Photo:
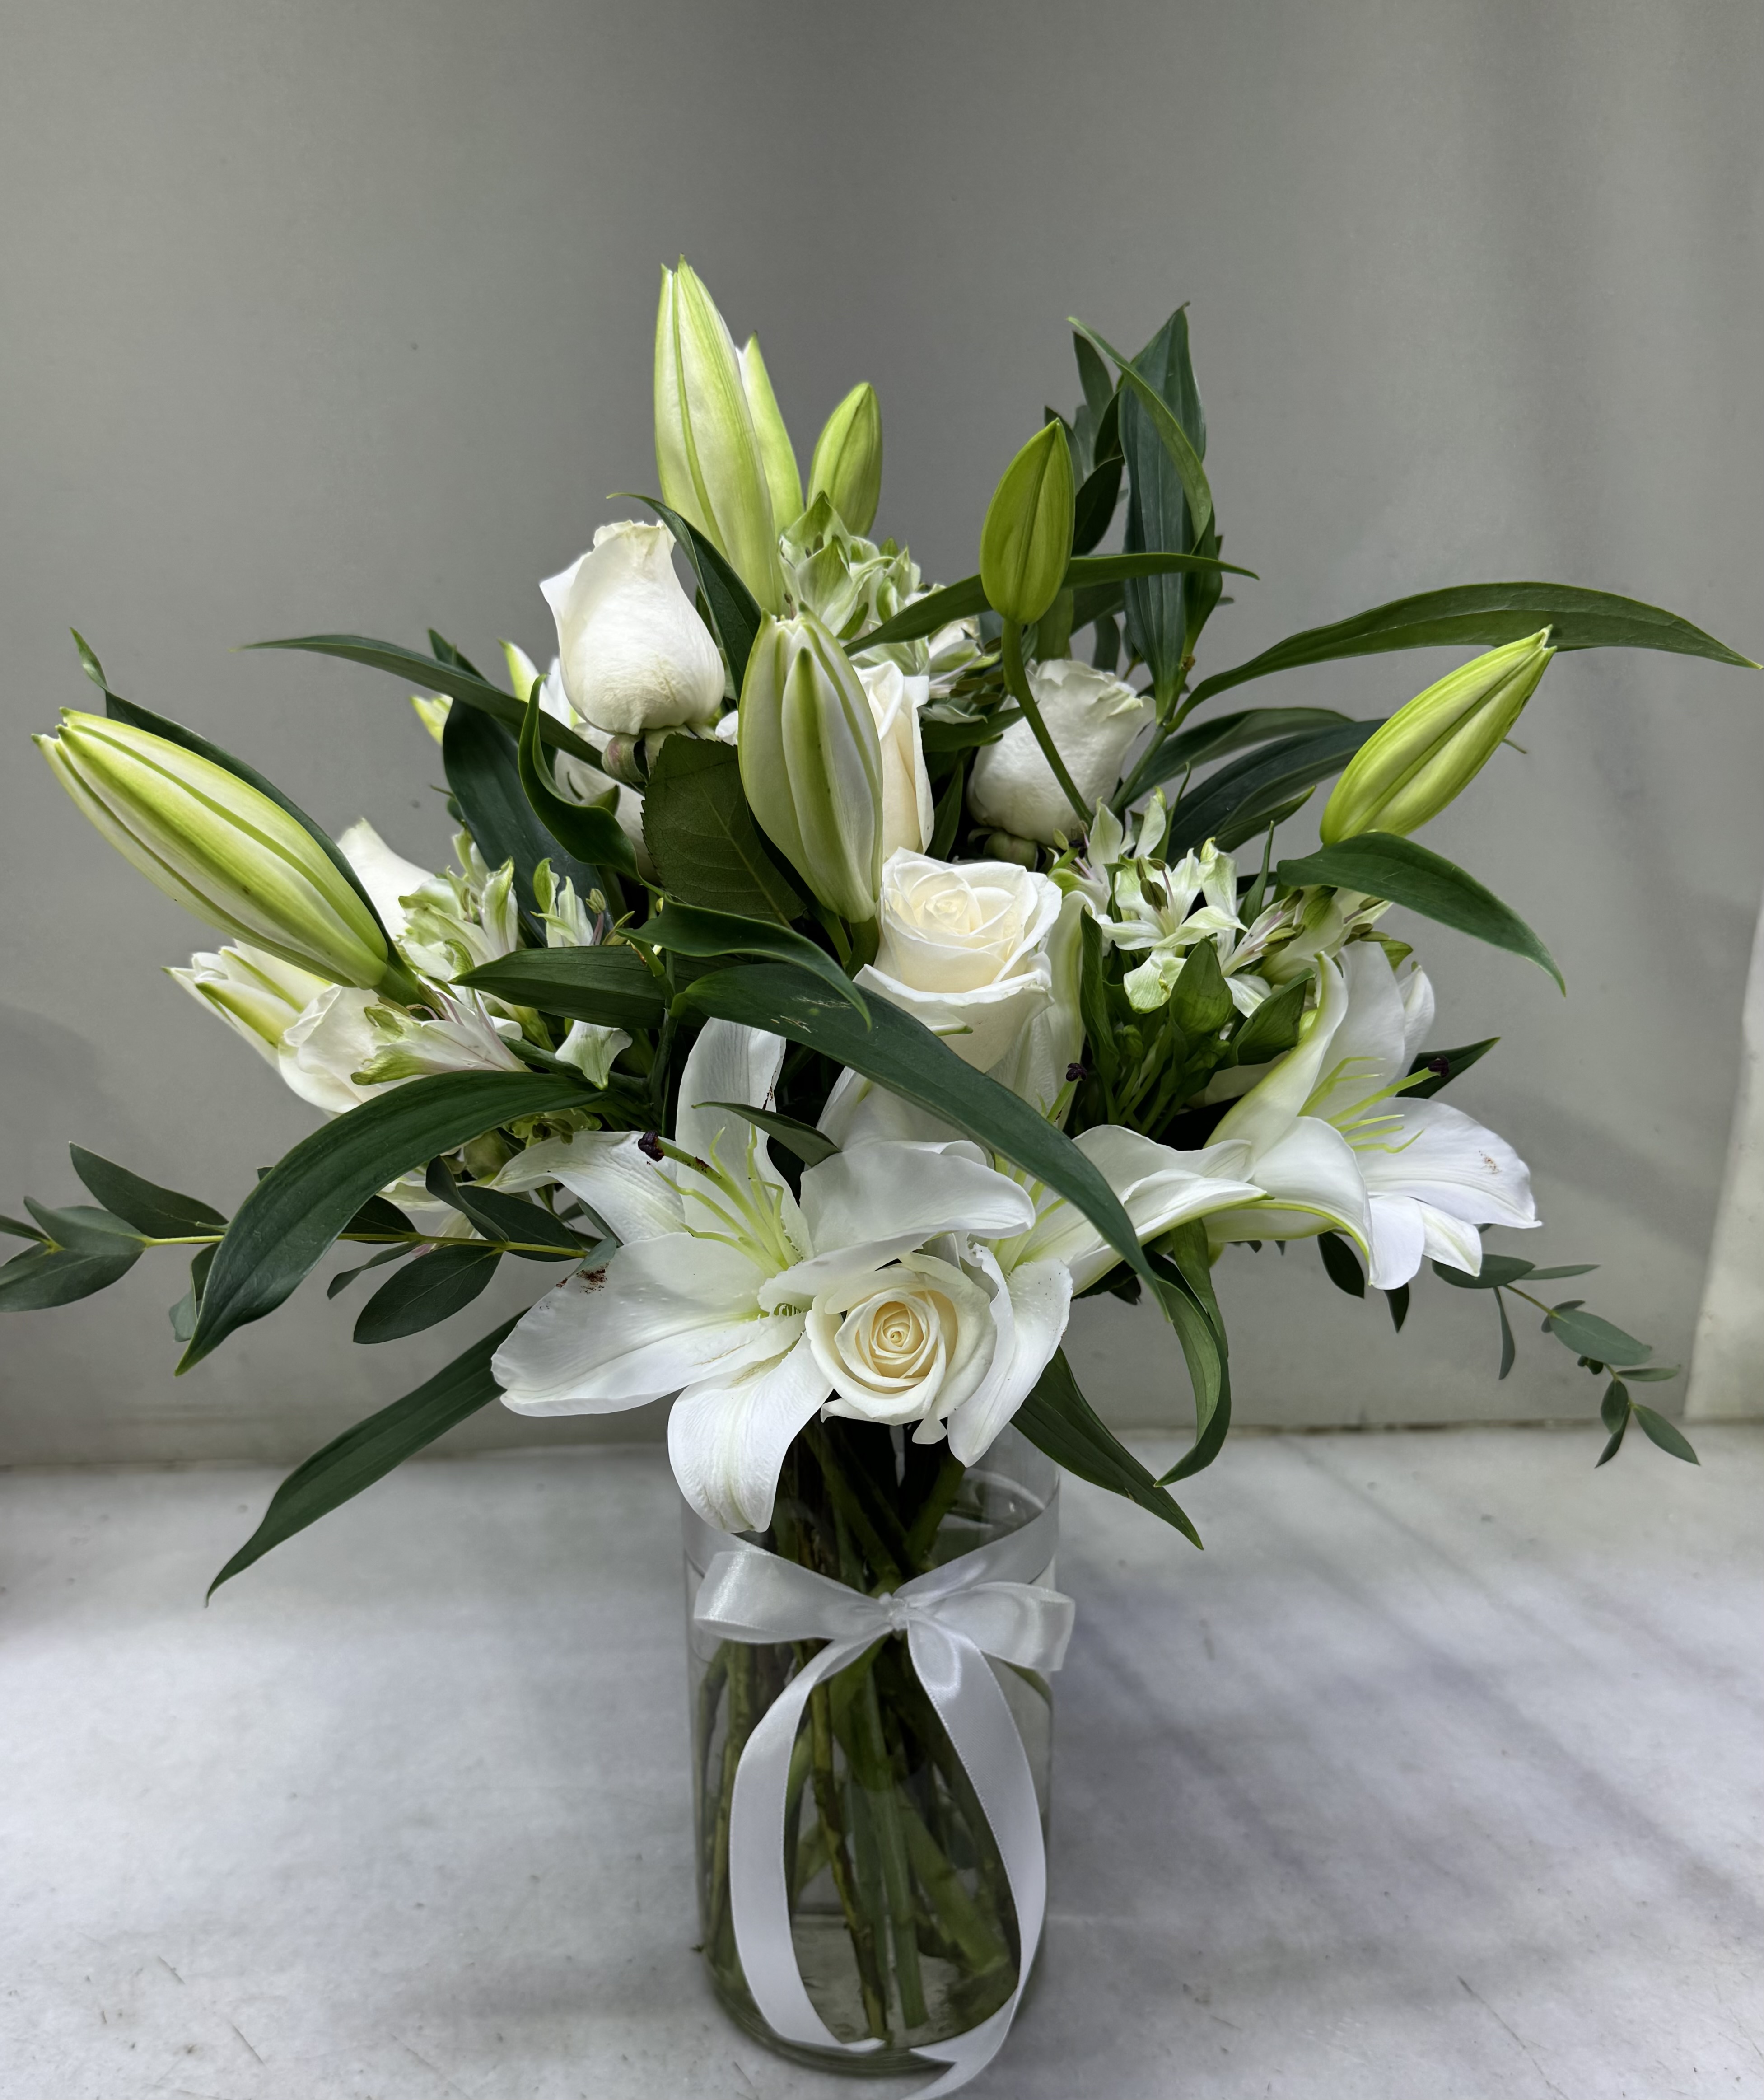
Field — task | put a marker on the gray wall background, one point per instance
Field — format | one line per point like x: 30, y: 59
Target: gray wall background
x: 322, y: 316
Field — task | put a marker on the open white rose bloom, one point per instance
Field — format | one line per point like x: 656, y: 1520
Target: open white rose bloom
x: 811, y: 987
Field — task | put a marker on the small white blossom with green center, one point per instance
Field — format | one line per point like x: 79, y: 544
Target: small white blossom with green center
x: 1164, y: 910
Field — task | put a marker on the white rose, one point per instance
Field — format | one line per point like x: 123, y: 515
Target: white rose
x: 635, y: 654
x: 908, y: 1343
x: 964, y: 950
x: 1092, y: 717
x: 908, y: 813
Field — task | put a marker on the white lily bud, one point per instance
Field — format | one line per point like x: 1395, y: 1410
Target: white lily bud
x: 258, y: 995
x: 811, y: 762
x: 221, y: 850
x: 1092, y: 717
x: 847, y: 466
x: 707, y: 450
x: 634, y: 654
x: 777, y: 452
x: 908, y: 809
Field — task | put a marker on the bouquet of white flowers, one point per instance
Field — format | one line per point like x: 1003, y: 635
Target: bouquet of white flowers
x: 837, y: 977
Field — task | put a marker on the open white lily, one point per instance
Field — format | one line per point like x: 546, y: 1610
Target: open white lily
x: 756, y: 1307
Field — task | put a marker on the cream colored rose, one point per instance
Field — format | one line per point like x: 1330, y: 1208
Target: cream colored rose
x: 1092, y: 718
x: 907, y: 1343
x: 964, y: 948
x: 635, y: 654
x: 908, y: 812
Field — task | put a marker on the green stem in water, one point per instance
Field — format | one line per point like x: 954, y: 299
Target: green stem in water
x: 1017, y: 677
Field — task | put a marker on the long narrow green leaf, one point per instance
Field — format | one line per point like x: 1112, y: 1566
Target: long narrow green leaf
x: 612, y: 987
x: 309, y: 1196
x: 1482, y: 615
x: 1241, y: 799
x: 369, y: 1451
x: 1379, y: 864
x: 1059, y: 1420
x: 697, y: 930
x: 1183, y: 456
x: 1085, y: 570
x: 1203, y: 742
x: 593, y: 836
x: 801, y: 1140
x: 483, y: 770
x: 902, y: 1055
x: 412, y: 666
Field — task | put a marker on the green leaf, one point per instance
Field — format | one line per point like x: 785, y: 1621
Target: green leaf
x: 1643, y: 1374
x: 591, y: 835
x: 735, y: 611
x: 1573, y: 1268
x: 1060, y: 1421
x: 702, y: 836
x: 1615, y: 1444
x: 948, y: 819
x: 611, y: 986
x: 1457, y: 1061
x: 346, y: 1276
x: 1241, y: 799
x: 1587, y: 1336
x: 432, y: 1288
x: 376, y: 1215
x: 1184, y: 1268
x: 1084, y: 571
x: 309, y: 1196
x: 1497, y: 1271
x: 1344, y: 1272
x: 1159, y: 619
x: 1381, y: 865
x: 1398, y: 1302
x: 369, y: 1451
x: 937, y: 734
x: 483, y: 770
x: 1093, y: 508
x: 21, y: 1231
x: 1667, y: 1435
x: 1200, y: 1005
x: 183, y: 1315
x: 1273, y: 1028
x: 697, y: 930
x: 44, y: 1276
x: 415, y: 668
x: 1481, y: 615
x: 1615, y: 1405
x: 1509, y: 1351
x: 499, y: 1215
x: 161, y: 1214
x: 84, y: 1230
x: 902, y: 1054
x: 139, y: 717
x: 1093, y: 377
x: 1184, y: 456
x: 1203, y: 743
x: 801, y: 1138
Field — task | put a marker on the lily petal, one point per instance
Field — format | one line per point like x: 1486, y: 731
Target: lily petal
x: 1443, y: 1157
x: 1030, y: 1307
x: 1399, y: 1242
x: 727, y: 1440
x: 622, y: 1185
x: 1311, y: 1182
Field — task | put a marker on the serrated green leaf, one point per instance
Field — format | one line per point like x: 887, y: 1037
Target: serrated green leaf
x: 369, y: 1451
x: 1482, y: 615
x: 431, y: 1288
x: 163, y: 1214
x: 1381, y: 865
x: 701, y: 836
x: 301, y: 1205
x: 612, y: 987
x: 1058, y: 1420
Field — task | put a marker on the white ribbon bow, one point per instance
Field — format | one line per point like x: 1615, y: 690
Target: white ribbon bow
x: 953, y: 1618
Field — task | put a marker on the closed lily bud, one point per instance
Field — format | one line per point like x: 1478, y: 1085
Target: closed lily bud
x: 632, y: 653
x: 811, y: 762
x: 707, y: 450
x: 225, y: 852
x: 1430, y: 750
x: 777, y: 454
x: 1026, y: 543
x: 847, y: 467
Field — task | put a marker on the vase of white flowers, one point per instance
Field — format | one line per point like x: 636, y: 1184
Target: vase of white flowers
x: 836, y: 978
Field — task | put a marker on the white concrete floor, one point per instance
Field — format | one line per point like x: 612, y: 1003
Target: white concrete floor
x: 1437, y: 1777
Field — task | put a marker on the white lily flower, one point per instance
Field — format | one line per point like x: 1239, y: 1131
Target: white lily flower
x: 258, y: 995
x: 710, y: 1295
x: 636, y: 656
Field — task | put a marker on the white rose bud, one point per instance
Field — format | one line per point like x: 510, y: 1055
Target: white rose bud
x: 635, y: 654
x: 1092, y: 717
x: 963, y: 948
x: 908, y: 812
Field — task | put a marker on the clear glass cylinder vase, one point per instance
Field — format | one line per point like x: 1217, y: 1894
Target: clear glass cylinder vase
x: 901, y: 1915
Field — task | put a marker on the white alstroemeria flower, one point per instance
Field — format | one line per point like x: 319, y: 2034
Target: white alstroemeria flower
x: 908, y: 811
x: 1432, y: 1175
x: 710, y: 1293
x: 1034, y: 1274
x: 347, y: 1045
x: 1306, y: 1170
x: 258, y: 995
x: 1159, y: 914
x: 1093, y: 717
x: 452, y: 923
x: 635, y: 654
x: 387, y: 877
x: 591, y: 1048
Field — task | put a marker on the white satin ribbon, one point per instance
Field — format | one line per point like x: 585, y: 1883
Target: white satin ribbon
x: 984, y: 1603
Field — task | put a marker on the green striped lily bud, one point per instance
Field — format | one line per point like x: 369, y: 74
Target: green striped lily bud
x: 707, y: 450
x: 1429, y: 751
x: 222, y: 849
x: 847, y: 466
x: 811, y: 762
x: 1026, y: 543
x: 777, y: 454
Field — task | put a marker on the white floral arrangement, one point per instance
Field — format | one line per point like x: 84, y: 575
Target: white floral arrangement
x: 838, y: 976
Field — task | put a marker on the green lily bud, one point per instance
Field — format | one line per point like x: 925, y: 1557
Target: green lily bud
x: 848, y: 460
x: 1026, y: 543
x: 811, y: 762
x: 707, y: 450
x: 220, y: 848
x: 1430, y: 750
x: 777, y: 454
